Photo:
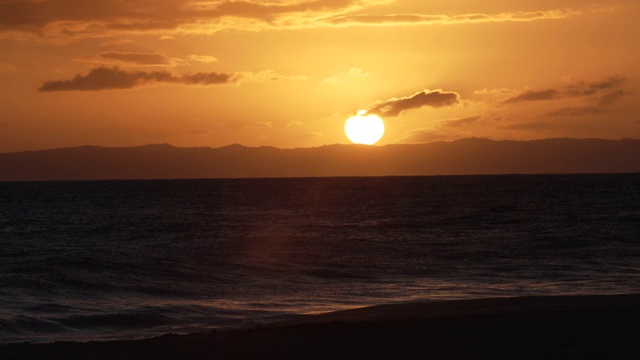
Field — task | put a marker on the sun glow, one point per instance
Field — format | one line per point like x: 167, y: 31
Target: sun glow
x: 364, y: 129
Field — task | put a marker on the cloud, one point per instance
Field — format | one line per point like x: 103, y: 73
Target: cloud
x: 260, y: 125
x: 576, y: 111
x: 99, y: 18
x: 144, y: 59
x: 460, y: 122
x: 73, y: 19
x: 294, y: 123
x: 420, y: 19
x: 611, y: 98
x: 581, y: 89
x: 353, y: 73
x: 486, y: 91
x: 117, y: 42
x: 534, y: 95
x: 137, y: 58
x: 105, y: 78
x: 432, y: 98
x: 202, y: 58
x: 114, y: 78
x: 598, y: 93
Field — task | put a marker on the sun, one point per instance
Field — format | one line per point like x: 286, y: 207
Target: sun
x: 364, y: 129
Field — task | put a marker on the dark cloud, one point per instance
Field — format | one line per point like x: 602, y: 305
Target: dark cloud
x: 604, y: 102
x: 461, y: 122
x: 67, y: 19
x: 583, y: 88
x: 104, y: 78
x: 576, y: 111
x: 395, y: 106
x: 71, y: 17
x: 611, y: 98
x: 578, y: 89
x: 137, y: 58
x: 534, y: 95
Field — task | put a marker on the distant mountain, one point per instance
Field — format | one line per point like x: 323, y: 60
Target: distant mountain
x: 467, y: 156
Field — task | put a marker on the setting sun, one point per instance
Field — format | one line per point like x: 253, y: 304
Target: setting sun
x: 364, y: 129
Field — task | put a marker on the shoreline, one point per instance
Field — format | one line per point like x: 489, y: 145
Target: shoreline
x: 587, y: 326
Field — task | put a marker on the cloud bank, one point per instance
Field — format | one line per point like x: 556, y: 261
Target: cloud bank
x: 67, y: 19
x: 97, y: 18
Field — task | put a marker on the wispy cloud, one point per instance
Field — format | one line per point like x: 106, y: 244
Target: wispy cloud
x: 115, y: 78
x: 599, y: 95
x: 431, y: 98
x: 269, y: 75
x: 534, y: 95
x: 207, y: 59
x: 576, y: 111
x: 353, y: 73
x: 420, y: 19
x: 493, y: 91
x: 611, y: 98
x: 260, y: 125
x: 586, y: 88
x: 455, y: 123
x: 99, y: 18
x: 582, y: 89
x: 69, y: 19
x: 603, y: 102
x: 137, y: 58
x: 112, y: 78
x: 117, y: 58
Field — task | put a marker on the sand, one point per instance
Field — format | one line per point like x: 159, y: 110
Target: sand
x: 559, y: 327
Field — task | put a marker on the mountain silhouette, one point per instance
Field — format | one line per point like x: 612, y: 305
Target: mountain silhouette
x: 460, y: 157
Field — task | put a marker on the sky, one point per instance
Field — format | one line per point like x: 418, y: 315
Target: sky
x: 288, y: 73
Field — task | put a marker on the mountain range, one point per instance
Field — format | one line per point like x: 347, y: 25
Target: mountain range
x: 460, y: 157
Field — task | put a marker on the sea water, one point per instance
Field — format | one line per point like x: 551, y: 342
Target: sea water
x: 128, y: 259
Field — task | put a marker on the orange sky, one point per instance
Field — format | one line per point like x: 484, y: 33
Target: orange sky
x: 288, y: 73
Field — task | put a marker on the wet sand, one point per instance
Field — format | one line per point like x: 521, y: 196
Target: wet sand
x: 562, y: 327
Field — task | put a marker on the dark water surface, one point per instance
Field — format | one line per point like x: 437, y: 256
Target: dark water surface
x: 128, y: 259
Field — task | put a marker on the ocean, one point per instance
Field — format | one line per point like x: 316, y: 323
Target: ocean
x: 104, y: 260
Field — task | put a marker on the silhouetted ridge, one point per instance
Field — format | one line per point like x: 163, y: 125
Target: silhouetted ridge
x: 460, y: 157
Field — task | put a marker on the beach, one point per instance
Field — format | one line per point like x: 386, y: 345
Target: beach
x: 541, y: 327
